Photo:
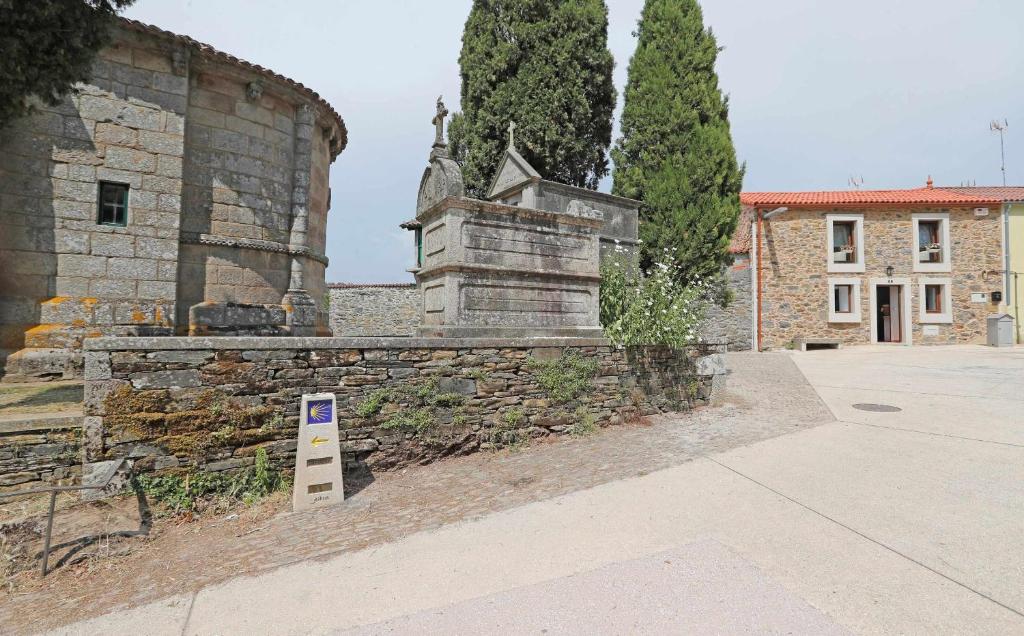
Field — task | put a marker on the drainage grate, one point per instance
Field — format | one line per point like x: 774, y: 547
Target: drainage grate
x: 877, y: 408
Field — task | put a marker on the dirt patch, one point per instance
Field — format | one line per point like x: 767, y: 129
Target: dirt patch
x: 40, y: 397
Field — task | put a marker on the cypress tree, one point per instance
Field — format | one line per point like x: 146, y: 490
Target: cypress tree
x: 47, y: 46
x: 676, y: 153
x: 544, y: 64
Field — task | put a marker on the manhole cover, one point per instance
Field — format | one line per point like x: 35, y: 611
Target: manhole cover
x: 877, y: 408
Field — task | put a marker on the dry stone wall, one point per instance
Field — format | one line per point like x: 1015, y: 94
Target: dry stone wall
x: 375, y: 310
x: 209, y: 403
x: 39, y: 451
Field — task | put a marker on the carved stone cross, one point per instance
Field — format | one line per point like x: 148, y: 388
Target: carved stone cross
x: 438, y: 122
x: 511, y: 134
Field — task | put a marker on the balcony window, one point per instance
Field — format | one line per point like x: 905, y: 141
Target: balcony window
x: 931, y: 242
x: 845, y: 242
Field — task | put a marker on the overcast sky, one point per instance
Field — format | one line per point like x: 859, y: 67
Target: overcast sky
x: 891, y: 91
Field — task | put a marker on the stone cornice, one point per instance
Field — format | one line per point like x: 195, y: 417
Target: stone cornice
x: 182, y: 343
x: 475, y: 268
x: 477, y: 205
x: 194, y: 238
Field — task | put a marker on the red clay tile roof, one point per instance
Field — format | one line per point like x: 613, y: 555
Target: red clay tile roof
x: 1003, y: 193
x: 206, y: 49
x: 740, y: 243
x: 865, y: 198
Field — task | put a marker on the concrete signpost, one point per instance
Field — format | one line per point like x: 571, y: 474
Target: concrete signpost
x: 318, y: 480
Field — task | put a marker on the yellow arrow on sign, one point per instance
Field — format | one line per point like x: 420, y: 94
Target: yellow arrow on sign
x: 317, y: 440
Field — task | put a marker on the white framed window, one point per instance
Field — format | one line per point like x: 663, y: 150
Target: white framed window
x: 845, y: 242
x: 935, y: 300
x: 931, y: 242
x: 844, y: 300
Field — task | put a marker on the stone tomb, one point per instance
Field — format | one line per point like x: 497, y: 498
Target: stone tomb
x: 505, y: 268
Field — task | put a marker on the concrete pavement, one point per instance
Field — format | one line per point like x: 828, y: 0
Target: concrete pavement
x: 877, y: 523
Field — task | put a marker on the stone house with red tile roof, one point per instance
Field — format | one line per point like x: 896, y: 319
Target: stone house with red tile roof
x: 916, y: 266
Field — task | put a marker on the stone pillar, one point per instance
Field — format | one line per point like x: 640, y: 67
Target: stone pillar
x: 301, y: 308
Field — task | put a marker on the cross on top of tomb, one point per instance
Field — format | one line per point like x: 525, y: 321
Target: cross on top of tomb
x: 438, y: 122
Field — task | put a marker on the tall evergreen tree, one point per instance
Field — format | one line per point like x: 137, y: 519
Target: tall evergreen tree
x: 48, y: 45
x: 544, y: 64
x: 676, y: 153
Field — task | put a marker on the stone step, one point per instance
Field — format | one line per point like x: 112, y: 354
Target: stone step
x: 35, y: 422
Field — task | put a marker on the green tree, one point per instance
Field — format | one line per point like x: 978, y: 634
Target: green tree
x: 46, y: 46
x: 544, y: 64
x: 676, y: 153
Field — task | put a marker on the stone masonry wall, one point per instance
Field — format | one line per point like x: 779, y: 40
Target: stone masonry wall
x: 227, y: 165
x: 375, y: 310
x: 62, y: 275
x: 211, y: 402
x: 733, y: 324
x: 37, y: 451
x: 795, y: 288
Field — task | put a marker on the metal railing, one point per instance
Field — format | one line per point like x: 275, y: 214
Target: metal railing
x: 53, y: 491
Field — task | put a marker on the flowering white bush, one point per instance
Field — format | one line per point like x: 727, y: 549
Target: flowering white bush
x: 652, y: 308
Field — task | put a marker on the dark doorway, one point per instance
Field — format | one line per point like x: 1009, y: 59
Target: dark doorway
x: 888, y: 318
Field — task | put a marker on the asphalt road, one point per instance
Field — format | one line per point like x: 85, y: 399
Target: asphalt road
x: 897, y: 521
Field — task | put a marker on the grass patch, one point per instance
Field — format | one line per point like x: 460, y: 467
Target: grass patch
x: 566, y: 378
x: 40, y: 398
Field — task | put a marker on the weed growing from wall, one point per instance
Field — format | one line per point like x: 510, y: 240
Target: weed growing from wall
x: 566, y: 378
x: 584, y: 423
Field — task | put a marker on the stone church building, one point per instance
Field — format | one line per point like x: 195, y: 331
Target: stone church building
x: 181, y: 191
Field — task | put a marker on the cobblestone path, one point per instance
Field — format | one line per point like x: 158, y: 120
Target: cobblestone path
x: 766, y: 396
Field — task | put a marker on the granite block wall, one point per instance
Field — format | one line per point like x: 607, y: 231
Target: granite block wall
x: 63, y: 276
x: 227, y: 168
x: 209, y: 403
x: 375, y: 310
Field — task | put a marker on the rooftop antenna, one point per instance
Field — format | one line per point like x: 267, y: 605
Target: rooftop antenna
x: 1000, y: 127
x: 856, y: 182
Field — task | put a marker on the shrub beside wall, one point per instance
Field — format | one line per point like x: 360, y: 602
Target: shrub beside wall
x: 210, y: 403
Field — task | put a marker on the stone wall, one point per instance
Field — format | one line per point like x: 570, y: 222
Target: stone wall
x: 733, y: 324
x: 374, y: 310
x: 227, y: 166
x: 39, y: 451
x: 64, y: 277
x: 211, y: 402
x: 795, y: 278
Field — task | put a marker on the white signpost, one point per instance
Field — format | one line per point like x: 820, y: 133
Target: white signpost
x: 318, y: 480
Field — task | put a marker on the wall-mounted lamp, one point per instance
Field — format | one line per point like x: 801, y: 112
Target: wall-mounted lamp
x: 888, y: 271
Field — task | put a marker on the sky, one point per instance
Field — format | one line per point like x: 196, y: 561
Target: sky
x: 883, y: 91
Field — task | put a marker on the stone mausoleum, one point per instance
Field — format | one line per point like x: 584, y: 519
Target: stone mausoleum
x: 526, y: 262
x: 181, y: 191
